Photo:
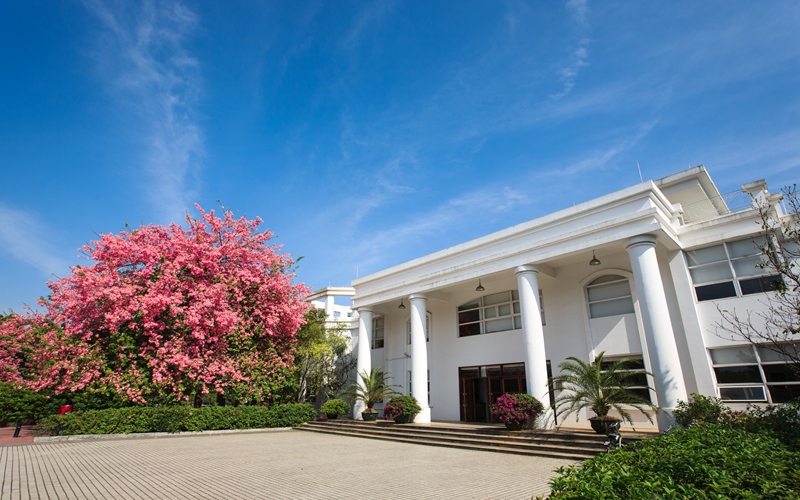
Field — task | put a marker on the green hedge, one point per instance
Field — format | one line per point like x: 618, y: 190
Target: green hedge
x: 177, y: 419
x: 709, y: 462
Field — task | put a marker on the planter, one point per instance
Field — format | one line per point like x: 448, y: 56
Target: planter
x: 514, y: 426
x: 403, y: 419
x: 332, y: 416
x: 369, y: 415
x: 600, y: 424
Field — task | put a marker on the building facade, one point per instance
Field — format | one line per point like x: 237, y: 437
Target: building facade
x: 639, y: 273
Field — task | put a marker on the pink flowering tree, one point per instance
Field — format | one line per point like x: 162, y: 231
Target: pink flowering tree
x: 168, y: 314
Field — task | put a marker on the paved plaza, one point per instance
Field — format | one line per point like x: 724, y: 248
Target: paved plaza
x: 267, y: 464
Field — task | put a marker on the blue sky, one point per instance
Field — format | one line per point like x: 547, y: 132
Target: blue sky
x: 368, y: 134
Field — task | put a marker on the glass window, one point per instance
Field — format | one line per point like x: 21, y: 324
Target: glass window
x: 496, y: 312
x: 637, y: 377
x: 377, y: 333
x: 754, y: 374
x: 730, y: 269
x: 609, y: 295
x: 427, y: 328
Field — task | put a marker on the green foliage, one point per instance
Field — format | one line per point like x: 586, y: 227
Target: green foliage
x: 402, y: 406
x: 698, y: 410
x: 20, y: 405
x: 372, y: 387
x: 704, y: 462
x: 334, y: 407
x: 322, y: 364
x: 177, y: 419
x: 599, y: 387
x: 780, y: 421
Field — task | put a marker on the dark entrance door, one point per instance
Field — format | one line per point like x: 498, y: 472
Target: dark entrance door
x: 482, y: 385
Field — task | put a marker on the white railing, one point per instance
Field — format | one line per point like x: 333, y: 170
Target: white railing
x: 726, y: 203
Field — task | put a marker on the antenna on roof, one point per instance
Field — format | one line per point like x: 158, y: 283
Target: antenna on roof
x: 640, y: 172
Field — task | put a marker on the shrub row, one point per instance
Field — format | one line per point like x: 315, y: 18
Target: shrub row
x: 709, y: 462
x: 176, y: 419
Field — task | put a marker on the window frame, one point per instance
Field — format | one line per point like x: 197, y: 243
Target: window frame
x: 479, y: 305
x: 620, y: 279
x: 375, y: 329
x: 735, y: 280
x: 764, y: 384
x: 639, y: 390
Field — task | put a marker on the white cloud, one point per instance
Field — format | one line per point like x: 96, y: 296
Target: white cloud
x: 27, y: 240
x: 147, y: 68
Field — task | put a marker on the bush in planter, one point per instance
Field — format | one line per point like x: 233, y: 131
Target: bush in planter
x: 401, y: 406
x: 332, y: 408
x: 516, y: 409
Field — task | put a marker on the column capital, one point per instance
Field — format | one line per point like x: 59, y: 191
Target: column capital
x: 364, y: 309
x: 642, y: 239
x: 528, y: 268
x: 417, y: 296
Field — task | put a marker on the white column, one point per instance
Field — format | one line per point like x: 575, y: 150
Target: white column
x: 659, y: 335
x: 364, y: 361
x: 533, y: 333
x: 329, y: 306
x: 419, y: 356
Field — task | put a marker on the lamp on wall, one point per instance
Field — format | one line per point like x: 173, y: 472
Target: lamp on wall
x: 595, y: 261
x: 401, y: 306
x: 480, y: 287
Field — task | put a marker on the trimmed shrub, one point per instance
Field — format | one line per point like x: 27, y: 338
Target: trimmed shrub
x: 699, y: 410
x: 708, y: 461
x: 400, y: 406
x: 177, y: 419
x: 334, y: 407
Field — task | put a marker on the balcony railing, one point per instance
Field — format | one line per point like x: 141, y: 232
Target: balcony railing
x: 726, y: 203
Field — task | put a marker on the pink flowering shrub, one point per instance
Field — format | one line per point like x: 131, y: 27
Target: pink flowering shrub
x: 516, y: 409
x: 166, y: 313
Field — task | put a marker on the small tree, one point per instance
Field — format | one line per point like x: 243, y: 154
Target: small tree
x: 777, y: 326
x: 323, y: 364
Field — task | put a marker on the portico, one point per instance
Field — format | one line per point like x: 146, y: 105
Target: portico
x: 498, y: 313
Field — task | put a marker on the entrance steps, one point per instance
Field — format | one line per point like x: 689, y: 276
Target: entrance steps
x: 572, y: 445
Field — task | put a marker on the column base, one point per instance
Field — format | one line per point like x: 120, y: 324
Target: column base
x: 546, y: 420
x: 424, y: 416
x: 664, y: 419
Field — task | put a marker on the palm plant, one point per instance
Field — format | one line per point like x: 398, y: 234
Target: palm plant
x: 601, y: 386
x: 372, y: 388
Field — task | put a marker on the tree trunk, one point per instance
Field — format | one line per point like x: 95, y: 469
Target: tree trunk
x: 198, y: 400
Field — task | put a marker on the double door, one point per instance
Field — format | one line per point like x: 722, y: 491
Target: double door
x: 480, y: 387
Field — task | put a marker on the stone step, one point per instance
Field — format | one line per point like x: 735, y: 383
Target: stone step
x: 578, y: 440
x: 574, y: 446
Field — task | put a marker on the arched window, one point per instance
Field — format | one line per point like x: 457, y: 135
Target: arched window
x: 609, y: 295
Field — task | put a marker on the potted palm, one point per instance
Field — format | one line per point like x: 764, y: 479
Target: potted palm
x: 332, y: 408
x: 600, y: 386
x: 372, y: 388
x: 402, y: 409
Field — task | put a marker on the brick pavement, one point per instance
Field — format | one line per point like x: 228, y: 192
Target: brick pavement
x: 270, y: 464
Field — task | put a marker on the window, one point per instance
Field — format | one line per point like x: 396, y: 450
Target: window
x: 729, y: 270
x: 429, y: 385
x: 754, y: 374
x: 497, y: 312
x: 609, y: 295
x: 427, y: 329
x: 377, y: 332
x: 637, y: 377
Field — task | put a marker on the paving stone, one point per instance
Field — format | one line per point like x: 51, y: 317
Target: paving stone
x: 284, y: 464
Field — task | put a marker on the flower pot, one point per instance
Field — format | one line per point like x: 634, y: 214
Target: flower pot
x: 514, y: 426
x: 332, y: 416
x: 600, y: 424
x: 402, y: 419
x: 369, y: 415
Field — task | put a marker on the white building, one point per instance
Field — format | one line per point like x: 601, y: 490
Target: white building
x: 637, y: 273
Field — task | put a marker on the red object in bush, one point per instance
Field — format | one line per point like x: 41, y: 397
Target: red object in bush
x: 65, y: 409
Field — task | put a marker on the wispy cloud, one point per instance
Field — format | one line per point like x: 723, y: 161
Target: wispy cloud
x: 147, y: 67
x: 579, y: 10
x: 369, y: 18
x: 28, y: 240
